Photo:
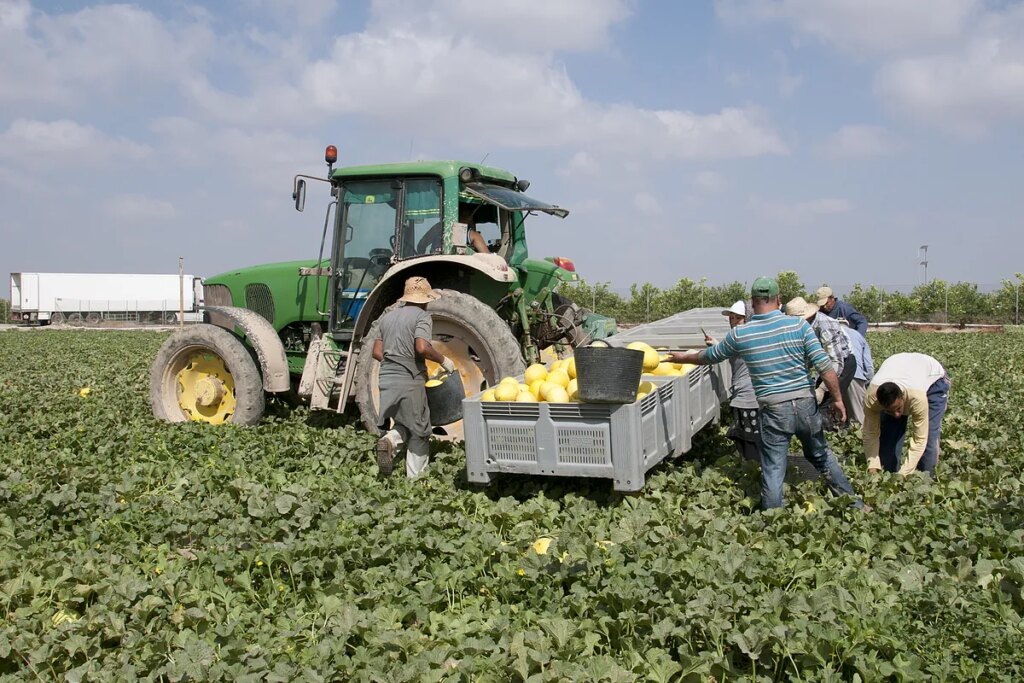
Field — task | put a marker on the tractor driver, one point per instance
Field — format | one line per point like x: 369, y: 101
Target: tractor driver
x: 431, y: 239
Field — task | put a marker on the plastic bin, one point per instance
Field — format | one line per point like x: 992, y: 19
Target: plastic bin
x: 620, y: 442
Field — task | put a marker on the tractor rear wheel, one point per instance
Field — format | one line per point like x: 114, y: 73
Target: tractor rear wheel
x: 466, y: 330
x: 204, y: 373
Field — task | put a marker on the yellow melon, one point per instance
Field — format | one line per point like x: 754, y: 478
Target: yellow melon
x: 487, y: 396
x: 506, y: 391
x: 599, y: 344
x: 559, y: 377
x: 570, y: 368
x: 526, y: 397
x: 534, y: 373
x: 535, y: 386
x: 432, y: 383
x: 546, y: 388
x: 557, y: 395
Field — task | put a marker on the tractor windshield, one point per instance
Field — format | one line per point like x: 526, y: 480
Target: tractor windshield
x: 512, y: 200
x: 378, y: 218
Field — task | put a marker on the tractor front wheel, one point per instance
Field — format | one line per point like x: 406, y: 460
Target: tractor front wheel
x: 466, y: 330
x: 204, y: 373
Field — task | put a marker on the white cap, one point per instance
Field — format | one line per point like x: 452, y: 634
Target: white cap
x: 738, y: 308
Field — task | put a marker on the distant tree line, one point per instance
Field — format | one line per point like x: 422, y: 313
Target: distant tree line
x: 5, y: 311
x: 936, y: 301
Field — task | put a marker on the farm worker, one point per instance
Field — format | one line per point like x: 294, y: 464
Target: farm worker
x: 907, y: 385
x: 778, y: 349
x: 830, y: 333
x: 745, y: 430
x: 402, y: 349
x: 855, y: 393
x: 839, y: 309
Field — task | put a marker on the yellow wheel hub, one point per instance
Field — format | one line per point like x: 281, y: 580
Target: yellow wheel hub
x: 206, y: 389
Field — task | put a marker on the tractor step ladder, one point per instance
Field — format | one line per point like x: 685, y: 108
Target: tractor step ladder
x: 323, y: 371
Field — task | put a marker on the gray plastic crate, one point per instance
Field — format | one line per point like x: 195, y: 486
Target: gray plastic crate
x: 617, y: 442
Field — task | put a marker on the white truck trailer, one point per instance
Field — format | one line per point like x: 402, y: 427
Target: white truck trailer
x: 92, y: 298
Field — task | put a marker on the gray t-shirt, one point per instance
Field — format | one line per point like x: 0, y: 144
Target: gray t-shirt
x: 741, y: 394
x: 399, y: 330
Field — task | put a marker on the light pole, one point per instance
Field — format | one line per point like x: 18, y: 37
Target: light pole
x: 923, y: 249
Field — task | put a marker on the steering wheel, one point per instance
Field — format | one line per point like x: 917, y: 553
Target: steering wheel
x: 379, y: 261
x: 350, y: 263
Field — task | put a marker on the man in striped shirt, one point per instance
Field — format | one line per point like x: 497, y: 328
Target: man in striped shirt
x: 778, y: 349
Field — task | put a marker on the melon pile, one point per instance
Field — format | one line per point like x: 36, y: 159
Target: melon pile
x: 554, y: 383
x: 657, y: 363
x: 557, y: 383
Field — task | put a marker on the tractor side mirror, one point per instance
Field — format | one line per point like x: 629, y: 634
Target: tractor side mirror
x: 299, y: 194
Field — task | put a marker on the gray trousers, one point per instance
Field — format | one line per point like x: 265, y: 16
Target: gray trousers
x: 417, y: 454
x: 405, y: 402
x: 854, y: 397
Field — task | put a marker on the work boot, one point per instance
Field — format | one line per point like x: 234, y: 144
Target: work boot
x: 385, y: 455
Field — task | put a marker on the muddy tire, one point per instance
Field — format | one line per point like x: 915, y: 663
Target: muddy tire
x: 465, y: 330
x: 56, y: 318
x: 206, y: 374
x: 93, y: 318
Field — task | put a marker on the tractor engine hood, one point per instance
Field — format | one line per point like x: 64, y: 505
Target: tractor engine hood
x: 512, y: 200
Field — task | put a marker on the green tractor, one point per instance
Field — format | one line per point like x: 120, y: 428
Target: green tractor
x: 302, y: 329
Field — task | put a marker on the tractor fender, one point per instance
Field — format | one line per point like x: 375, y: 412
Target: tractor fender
x: 390, y: 288
x: 263, y: 338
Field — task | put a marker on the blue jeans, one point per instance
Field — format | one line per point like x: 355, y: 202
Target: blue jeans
x: 890, y: 441
x: 780, y: 422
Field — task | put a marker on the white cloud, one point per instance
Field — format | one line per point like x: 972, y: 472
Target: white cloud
x: 581, y: 163
x: 266, y: 159
x: 954, y: 64
x: 860, y: 26
x: 859, y: 142
x: 422, y: 83
x: 709, y: 182
x: 968, y: 89
x: 524, y: 25
x: 133, y: 208
x: 801, y: 213
x: 647, y: 204
x: 63, y: 58
x: 14, y: 15
x: 44, y: 143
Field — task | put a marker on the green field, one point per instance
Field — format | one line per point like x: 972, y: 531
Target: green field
x: 136, y: 550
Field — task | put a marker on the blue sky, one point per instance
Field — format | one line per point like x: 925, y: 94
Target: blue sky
x: 690, y: 139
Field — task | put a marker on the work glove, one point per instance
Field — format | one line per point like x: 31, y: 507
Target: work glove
x: 448, y: 366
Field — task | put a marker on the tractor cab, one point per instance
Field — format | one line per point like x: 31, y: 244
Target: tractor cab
x: 460, y: 225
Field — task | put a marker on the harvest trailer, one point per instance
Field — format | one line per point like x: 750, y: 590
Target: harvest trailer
x: 91, y: 298
x: 619, y: 442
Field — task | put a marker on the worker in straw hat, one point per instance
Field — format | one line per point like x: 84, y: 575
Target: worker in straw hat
x: 402, y: 350
x: 833, y: 340
x: 745, y: 430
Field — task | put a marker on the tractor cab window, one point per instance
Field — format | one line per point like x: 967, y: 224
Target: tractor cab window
x: 491, y: 222
x: 368, y: 220
x: 422, y: 229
